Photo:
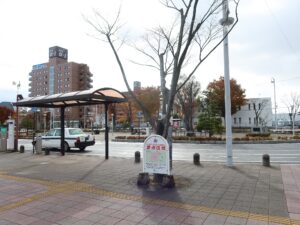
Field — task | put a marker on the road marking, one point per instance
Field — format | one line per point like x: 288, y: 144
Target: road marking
x: 73, y: 187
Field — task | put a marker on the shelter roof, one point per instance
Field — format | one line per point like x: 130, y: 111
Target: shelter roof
x: 76, y: 98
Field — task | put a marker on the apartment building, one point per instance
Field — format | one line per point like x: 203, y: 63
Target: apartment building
x: 60, y: 76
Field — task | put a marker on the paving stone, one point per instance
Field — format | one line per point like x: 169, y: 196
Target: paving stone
x: 248, y: 188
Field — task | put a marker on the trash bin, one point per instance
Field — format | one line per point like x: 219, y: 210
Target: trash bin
x: 38, y: 145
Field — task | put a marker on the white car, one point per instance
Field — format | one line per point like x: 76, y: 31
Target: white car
x: 74, y: 138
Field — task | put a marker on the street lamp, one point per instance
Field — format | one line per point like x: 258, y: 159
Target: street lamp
x: 275, y: 107
x: 225, y: 22
x: 17, y: 116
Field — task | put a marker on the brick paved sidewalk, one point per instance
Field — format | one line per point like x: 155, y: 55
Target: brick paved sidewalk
x: 90, y: 190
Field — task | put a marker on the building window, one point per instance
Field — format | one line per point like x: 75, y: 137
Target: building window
x: 254, y: 120
x: 259, y: 106
x: 249, y: 120
x: 249, y: 106
x: 234, y: 120
x: 240, y: 120
x: 254, y: 106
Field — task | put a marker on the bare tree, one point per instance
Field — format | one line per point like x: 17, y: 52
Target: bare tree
x: 108, y: 32
x: 193, y: 36
x: 186, y: 100
x: 157, y: 50
x: 258, y: 109
x: 293, y: 105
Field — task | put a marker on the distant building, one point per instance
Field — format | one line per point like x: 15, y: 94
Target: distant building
x: 7, y: 105
x: 257, y: 112
x: 60, y: 76
x: 136, y: 85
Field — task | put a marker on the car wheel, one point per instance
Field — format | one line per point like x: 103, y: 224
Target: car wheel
x: 67, y: 148
x: 82, y: 149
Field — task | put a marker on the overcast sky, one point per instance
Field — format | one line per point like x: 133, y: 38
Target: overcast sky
x: 264, y: 44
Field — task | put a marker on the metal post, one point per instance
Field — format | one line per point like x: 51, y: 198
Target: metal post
x: 106, y: 132
x: 17, y: 117
x: 62, y: 131
x: 275, y: 106
x: 17, y: 129
x: 112, y: 124
x: 225, y: 22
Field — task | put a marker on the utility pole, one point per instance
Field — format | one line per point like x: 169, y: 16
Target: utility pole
x: 225, y: 22
x: 275, y: 107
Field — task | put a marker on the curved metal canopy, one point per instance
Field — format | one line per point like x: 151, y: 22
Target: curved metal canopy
x: 76, y: 98
x: 104, y: 96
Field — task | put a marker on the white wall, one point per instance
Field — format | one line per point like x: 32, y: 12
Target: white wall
x: 245, y: 117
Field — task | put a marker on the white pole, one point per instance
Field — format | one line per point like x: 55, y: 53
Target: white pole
x: 273, y: 82
x: 227, y: 86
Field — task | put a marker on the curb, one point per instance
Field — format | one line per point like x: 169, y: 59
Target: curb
x: 212, y: 142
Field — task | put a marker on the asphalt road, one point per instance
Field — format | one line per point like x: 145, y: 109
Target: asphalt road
x: 279, y: 153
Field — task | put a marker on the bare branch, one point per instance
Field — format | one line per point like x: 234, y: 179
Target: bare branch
x: 217, y: 45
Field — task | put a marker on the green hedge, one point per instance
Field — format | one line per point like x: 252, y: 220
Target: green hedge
x: 258, y: 135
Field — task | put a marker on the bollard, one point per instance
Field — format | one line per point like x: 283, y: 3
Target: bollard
x: 143, y: 179
x: 196, y: 159
x: 266, y: 160
x: 47, y: 151
x: 22, y: 149
x: 137, y: 157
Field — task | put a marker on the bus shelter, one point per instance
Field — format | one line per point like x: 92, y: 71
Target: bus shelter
x: 104, y: 96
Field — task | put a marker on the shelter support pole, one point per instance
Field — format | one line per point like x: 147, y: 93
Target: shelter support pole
x: 106, y: 132
x: 62, y: 130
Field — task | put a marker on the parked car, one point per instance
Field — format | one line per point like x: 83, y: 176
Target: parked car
x: 74, y: 138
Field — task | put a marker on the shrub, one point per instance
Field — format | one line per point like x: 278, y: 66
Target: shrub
x: 121, y: 137
x: 258, y: 135
x: 180, y: 138
x: 136, y: 138
x: 282, y: 138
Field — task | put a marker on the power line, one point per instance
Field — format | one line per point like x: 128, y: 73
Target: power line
x: 282, y: 31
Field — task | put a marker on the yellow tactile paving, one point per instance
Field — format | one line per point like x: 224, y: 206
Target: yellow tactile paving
x: 70, y: 187
x: 295, y: 222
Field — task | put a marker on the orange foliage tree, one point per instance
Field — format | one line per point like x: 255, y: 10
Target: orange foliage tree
x: 215, y: 95
x: 149, y: 96
x: 5, y: 113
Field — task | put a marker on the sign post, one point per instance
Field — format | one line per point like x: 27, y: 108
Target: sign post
x: 156, y: 155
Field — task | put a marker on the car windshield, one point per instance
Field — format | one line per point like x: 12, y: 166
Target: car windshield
x: 75, y: 131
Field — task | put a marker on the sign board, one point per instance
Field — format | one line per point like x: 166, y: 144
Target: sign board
x: 156, y: 155
x: 139, y: 114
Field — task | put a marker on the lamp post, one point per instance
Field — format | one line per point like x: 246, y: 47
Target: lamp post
x: 275, y: 105
x: 17, y: 116
x: 225, y: 22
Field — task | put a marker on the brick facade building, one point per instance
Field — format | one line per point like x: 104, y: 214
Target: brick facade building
x: 60, y: 76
